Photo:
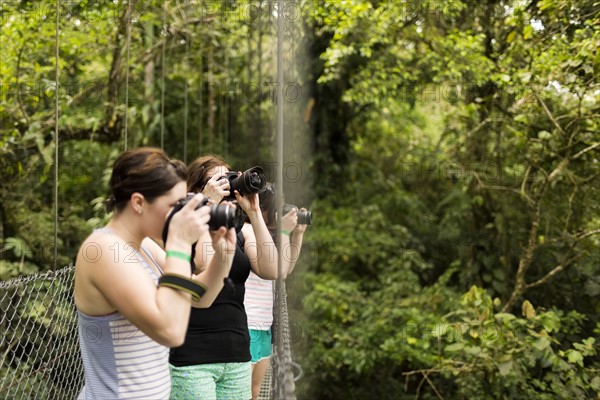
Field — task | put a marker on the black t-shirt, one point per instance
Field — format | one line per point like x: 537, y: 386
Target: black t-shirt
x: 219, y: 334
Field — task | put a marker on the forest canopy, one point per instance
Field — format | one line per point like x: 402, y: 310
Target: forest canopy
x: 450, y: 152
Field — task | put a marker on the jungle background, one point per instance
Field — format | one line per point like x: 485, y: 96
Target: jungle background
x: 448, y: 150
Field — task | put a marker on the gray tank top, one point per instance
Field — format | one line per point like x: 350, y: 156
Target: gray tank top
x: 119, y: 360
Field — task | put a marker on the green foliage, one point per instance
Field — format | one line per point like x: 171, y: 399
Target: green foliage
x: 455, y: 145
x: 468, y: 187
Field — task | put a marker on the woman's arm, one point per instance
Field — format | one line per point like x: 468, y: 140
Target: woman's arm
x: 217, y: 252
x: 161, y: 313
x: 223, y: 247
x: 258, y: 243
x: 295, y: 246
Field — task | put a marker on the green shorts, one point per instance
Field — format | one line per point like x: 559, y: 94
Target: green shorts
x: 260, y: 344
x: 219, y: 381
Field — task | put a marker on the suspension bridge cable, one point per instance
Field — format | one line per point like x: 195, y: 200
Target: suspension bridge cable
x: 162, y: 80
x: 200, y: 92
x: 186, y: 92
x: 56, y: 142
x: 128, y: 45
x: 278, y: 368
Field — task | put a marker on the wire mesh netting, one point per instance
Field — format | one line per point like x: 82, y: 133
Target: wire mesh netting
x: 39, y: 351
x: 281, y: 373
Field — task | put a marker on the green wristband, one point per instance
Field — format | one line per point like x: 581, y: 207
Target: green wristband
x: 284, y: 232
x: 179, y: 254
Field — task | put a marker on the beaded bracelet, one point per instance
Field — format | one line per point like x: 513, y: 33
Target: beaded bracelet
x: 184, y: 284
x: 284, y: 232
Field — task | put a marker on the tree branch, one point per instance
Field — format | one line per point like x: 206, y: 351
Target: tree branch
x: 551, y: 274
x: 589, y: 148
x: 548, y: 113
x: 525, y: 261
x: 17, y: 74
x: 565, y: 263
x: 502, y: 188
x: 558, y: 170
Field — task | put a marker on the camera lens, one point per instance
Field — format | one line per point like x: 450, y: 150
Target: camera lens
x: 251, y: 181
x: 304, y: 217
x: 222, y: 215
x: 255, y: 180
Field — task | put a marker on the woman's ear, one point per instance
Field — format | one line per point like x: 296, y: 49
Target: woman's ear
x: 137, y: 202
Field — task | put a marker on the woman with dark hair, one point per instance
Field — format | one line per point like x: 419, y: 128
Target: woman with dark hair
x: 258, y: 299
x: 214, y: 361
x: 127, y: 316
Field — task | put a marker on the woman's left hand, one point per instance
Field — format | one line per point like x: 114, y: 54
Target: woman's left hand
x: 301, y: 228
x: 249, y: 203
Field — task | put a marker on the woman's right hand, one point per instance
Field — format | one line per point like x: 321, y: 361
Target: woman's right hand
x: 188, y: 224
x: 216, y: 188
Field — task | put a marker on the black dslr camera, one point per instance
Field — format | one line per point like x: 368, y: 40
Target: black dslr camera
x: 251, y: 181
x: 304, y: 217
x: 220, y: 215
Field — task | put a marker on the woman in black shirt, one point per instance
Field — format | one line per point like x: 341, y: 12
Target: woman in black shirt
x: 214, y: 361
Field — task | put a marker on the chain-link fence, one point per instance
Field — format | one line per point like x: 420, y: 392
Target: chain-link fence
x: 39, y: 351
x: 281, y: 373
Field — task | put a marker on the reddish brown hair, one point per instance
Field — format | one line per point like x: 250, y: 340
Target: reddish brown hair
x: 198, y: 171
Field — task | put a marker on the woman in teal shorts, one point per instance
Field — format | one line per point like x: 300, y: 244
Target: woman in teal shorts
x: 214, y: 361
x: 259, y: 292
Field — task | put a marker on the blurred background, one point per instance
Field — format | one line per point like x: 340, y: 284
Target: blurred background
x: 449, y: 152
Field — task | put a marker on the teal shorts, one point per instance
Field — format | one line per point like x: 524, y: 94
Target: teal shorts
x: 260, y: 344
x: 219, y: 381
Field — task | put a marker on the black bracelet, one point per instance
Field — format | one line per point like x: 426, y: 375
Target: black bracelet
x: 184, y: 284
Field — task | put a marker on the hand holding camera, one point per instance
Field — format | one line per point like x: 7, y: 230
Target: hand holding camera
x: 304, y: 216
x: 190, y: 222
x: 301, y: 228
x: 224, y: 216
x: 217, y: 188
x: 289, y: 221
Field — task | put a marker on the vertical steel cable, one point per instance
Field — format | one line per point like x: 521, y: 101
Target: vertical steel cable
x: 279, y: 364
x: 128, y: 45
x: 186, y: 92
x: 162, y: 80
x: 56, y: 87
x: 200, y: 89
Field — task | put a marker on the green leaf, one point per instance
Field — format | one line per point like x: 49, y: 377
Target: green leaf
x: 505, y: 367
x: 542, y: 343
x: 504, y: 317
x: 595, y: 383
x: 575, y: 357
x: 528, y: 310
x: 455, y: 346
x: 550, y: 321
x: 544, y: 135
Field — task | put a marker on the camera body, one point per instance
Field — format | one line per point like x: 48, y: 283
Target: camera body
x: 251, y: 181
x: 220, y: 215
x: 304, y: 217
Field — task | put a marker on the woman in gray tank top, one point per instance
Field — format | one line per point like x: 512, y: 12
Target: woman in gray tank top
x: 126, y: 321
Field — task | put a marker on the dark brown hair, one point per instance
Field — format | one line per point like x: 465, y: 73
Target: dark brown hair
x: 198, y: 171
x: 268, y: 202
x: 145, y: 170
